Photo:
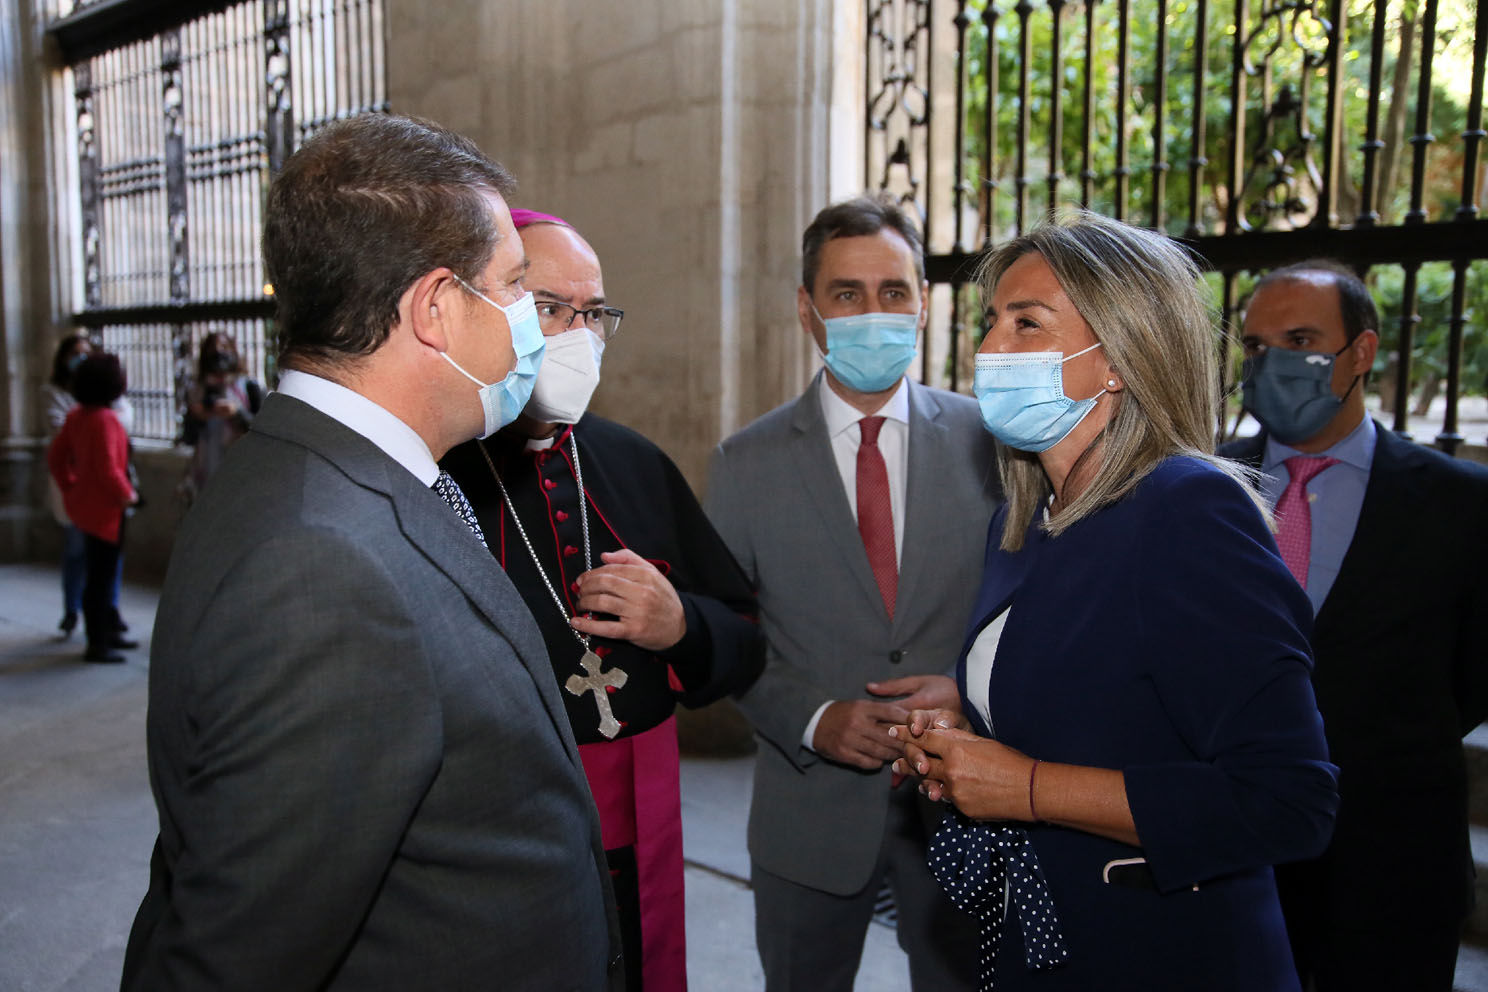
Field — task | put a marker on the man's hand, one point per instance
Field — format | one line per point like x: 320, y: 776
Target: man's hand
x: 921, y: 692
x: 647, y: 610
x: 856, y: 732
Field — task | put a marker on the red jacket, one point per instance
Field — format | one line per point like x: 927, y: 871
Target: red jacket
x: 89, y: 458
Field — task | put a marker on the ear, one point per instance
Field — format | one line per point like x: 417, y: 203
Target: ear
x: 1362, y: 351
x: 1113, y: 381
x: 924, y: 304
x: 427, y: 306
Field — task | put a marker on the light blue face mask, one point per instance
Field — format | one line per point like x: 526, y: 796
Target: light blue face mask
x: 1022, y: 398
x: 869, y: 352
x: 503, y: 401
x: 1291, y: 392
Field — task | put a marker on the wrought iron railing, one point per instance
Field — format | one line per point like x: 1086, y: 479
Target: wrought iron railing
x: 1257, y: 132
x: 182, y: 112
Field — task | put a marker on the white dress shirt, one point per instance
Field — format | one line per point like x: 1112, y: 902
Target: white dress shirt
x: 893, y: 442
x: 398, y: 441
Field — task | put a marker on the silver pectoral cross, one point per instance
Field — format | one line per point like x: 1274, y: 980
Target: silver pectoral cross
x: 598, y: 682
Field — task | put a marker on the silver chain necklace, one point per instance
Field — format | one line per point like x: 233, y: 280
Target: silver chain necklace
x: 596, y: 679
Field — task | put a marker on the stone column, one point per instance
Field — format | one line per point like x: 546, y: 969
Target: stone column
x: 691, y: 142
x: 29, y: 313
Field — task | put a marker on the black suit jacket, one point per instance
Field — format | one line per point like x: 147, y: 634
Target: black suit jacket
x: 1400, y: 677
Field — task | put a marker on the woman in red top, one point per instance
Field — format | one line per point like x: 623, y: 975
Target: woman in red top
x: 89, y: 459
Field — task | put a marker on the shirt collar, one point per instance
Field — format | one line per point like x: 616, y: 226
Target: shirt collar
x: 840, y: 414
x: 1355, y: 449
x: 397, y: 440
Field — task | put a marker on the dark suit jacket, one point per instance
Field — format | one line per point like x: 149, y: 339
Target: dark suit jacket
x: 1400, y: 677
x: 364, y: 777
x: 1122, y: 650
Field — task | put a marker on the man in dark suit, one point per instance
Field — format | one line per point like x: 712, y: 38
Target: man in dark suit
x: 364, y: 775
x: 1388, y: 539
x: 857, y: 510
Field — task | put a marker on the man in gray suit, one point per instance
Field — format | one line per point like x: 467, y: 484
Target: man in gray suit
x: 364, y: 776
x: 858, y: 510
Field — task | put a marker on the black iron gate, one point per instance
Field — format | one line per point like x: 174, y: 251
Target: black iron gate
x: 1257, y: 132
x: 182, y: 111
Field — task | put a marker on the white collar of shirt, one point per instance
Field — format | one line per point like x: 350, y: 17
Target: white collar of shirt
x: 397, y: 440
x: 840, y: 414
x: 1356, y: 449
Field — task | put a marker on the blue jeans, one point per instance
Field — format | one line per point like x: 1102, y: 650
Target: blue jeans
x: 75, y: 572
x: 74, y: 569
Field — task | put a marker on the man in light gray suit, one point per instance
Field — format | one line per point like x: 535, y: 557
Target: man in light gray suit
x: 859, y: 511
x: 364, y: 776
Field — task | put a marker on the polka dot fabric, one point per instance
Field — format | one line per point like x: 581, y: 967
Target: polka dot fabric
x: 981, y: 866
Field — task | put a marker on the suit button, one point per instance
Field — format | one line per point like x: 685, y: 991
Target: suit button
x: 569, y: 551
x: 896, y: 656
x: 560, y: 516
x: 549, y: 484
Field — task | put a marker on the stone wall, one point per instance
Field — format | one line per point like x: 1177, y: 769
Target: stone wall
x: 688, y: 141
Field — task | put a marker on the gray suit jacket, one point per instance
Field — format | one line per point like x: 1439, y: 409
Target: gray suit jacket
x: 775, y: 496
x: 364, y: 776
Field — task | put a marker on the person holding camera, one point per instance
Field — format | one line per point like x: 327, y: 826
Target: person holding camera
x: 219, y: 407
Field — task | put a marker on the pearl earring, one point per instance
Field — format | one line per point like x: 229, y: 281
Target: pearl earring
x: 1111, y: 383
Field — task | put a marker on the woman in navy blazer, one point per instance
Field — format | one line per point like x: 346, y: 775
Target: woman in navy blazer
x: 1140, y: 740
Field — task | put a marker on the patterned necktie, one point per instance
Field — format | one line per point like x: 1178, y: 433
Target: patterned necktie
x: 875, y: 514
x: 1294, y: 514
x: 978, y: 864
x: 450, y: 492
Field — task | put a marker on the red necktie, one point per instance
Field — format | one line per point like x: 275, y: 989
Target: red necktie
x: 1294, y: 514
x: 875, y: 515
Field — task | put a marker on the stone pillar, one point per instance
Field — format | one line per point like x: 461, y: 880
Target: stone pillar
x: 28, y: 310
x: 691, y: 143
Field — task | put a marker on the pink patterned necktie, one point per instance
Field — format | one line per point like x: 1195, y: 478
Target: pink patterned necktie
x: 1294, y: 514
x: 875, y: 515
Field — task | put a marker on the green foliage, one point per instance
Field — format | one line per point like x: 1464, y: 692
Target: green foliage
x: 1287, y: 55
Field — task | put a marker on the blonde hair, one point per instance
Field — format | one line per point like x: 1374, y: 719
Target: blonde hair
x: 1142, y: 296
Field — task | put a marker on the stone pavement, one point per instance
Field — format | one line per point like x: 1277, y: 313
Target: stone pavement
x: 77, y: 821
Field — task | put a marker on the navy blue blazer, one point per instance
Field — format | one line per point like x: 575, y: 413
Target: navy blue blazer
x: 1163, y: 636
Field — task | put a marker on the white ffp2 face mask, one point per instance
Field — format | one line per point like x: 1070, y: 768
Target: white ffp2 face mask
x: 568, y: 377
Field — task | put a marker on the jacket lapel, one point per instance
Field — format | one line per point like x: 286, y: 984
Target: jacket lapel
x: 929, y: 450
x: 428, y: 523
x: 816, y: 466
x: 1390, y: 496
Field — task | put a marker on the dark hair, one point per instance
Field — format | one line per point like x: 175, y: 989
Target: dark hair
x: 61, y: 374
x: 218, y: 355
x: 862, y: 215
x: 363, y: 210
x: 1355, y: 304
x: 98, y: 380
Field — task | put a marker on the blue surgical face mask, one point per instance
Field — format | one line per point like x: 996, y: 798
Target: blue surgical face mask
x: 869, y: 352
x: 76, y: 360
x: 503, y: 401
x: 1291, y: 392
x: 1022, y: 398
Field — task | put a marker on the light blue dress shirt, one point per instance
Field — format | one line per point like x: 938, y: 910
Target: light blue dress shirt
x: 1335, y: 495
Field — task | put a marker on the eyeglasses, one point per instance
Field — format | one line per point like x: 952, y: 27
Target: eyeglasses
x: 555, y: 317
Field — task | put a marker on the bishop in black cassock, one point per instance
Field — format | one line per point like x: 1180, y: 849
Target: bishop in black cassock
x: 648, y: 543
